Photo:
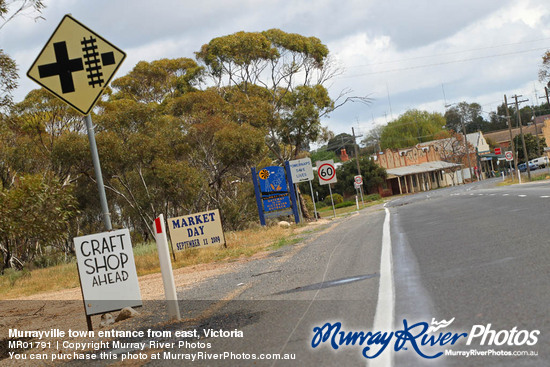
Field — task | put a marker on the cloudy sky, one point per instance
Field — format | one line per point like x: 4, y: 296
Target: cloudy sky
x: 403, y: 54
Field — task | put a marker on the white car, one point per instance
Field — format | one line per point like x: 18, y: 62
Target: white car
x: 540, y: 161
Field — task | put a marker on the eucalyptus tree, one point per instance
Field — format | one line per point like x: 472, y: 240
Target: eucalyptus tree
x: 411, y: 128
x: 293, y: 69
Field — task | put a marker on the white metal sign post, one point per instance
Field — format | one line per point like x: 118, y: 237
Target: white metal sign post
x: 327, y: 175
x: 302, y: 170
x: 166, y: 269
x: 509, y: 158
x: 358, y: 183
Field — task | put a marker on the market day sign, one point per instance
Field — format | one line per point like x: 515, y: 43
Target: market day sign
x: 196, y: 230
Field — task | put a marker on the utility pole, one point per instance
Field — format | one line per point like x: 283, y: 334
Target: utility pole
x: 356, y: 150
x: 536, y: 131
x: 510, y: 130
x: 522, y: 137
x: 357, y: 160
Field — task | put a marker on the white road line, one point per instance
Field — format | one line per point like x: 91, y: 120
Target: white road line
x: 383, y: 318
x: 505, y: 194
x: 522, y: 196
x: 545, y: 196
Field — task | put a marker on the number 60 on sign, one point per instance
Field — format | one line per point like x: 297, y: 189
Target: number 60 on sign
x: 326, y: 172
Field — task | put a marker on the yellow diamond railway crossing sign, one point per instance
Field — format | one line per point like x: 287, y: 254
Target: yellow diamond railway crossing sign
x: 76, y: 64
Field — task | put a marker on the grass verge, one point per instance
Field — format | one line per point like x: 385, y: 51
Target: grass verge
x: 239, y: 244
x: 536, y: 176
x: 327, y: 212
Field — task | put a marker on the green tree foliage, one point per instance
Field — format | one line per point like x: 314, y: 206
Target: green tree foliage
x: 411, y: 128
x: 531, y: 145
x: 336, y: 198
x: 544, y: 71
x: 323, y: 155
x: 34, y: 212
x: 372, y: 140
x: 373, y: 176
x: 8, y: 79
x: 158, y: 80
x: 9, y: 9
x: 497, y: 119
x: 165, y: 145
x: 290, y: 68
x: 470, y: 114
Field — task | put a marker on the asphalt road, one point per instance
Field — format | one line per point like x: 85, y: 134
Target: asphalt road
x: 476, y: 254
x: 479, y: 254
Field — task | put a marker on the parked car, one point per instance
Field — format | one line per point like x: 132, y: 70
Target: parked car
x: 522, y: 167
x: 540, y: 161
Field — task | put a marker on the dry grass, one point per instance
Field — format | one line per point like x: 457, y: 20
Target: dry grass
x: 327, y: 211
x: 535, y: 176
x: 239, y: 244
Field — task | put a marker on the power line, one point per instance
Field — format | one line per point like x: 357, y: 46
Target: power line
x: 443, y: 63
x: 448, y: 53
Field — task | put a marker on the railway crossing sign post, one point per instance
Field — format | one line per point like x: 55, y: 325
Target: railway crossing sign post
x: 76, y: 65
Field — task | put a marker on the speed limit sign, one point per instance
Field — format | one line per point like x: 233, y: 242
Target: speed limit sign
x: 326, y: 172
x: 509, y: 156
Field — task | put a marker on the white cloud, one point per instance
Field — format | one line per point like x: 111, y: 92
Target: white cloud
x: 449, y: 43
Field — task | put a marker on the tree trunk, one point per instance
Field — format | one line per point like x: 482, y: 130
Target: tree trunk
x: 305, y: 212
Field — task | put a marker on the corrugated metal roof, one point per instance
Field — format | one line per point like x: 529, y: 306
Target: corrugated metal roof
x: 420, y: 168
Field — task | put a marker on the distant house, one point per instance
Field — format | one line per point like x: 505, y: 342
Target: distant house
x: 478, y: 141
x: 415, y: 169
x: 502, y: 137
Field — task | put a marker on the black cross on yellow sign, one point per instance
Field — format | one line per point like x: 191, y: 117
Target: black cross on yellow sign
x: 76, y: 64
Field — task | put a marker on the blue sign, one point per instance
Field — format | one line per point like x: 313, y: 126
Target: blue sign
x: 276, y: 202
x: 272, y: 180
x: 274, y: 192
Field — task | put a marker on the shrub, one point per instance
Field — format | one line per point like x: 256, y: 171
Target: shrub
x: 336, y: 197
x: 14, y: 275
x: 373, y: 197
x: 344, y: 204
x: 320, y: 204
x: 309, y: 203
